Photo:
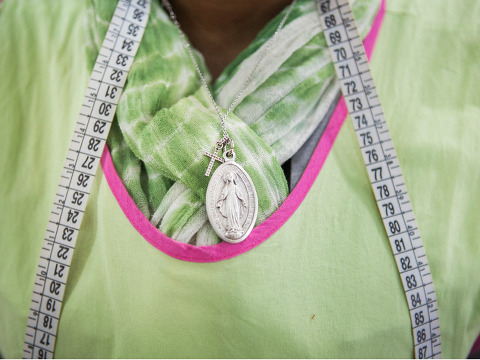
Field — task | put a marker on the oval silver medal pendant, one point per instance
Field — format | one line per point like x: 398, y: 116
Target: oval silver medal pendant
x: 232, y: 203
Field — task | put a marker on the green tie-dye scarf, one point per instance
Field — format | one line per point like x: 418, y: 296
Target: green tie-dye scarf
x: 165, y: 120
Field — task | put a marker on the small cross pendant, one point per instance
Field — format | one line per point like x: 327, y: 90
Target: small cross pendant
x: 213, y: 157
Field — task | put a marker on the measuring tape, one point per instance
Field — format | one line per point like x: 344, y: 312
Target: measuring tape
x: 96, y: 115
x: 363, y: 104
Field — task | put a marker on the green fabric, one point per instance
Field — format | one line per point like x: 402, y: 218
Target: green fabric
x: 331, y: 259
x: 167, y: 121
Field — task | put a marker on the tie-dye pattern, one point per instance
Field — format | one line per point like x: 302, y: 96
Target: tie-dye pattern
x: 165, y: 120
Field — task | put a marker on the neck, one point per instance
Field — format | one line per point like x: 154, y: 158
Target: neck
x: 221, y: 29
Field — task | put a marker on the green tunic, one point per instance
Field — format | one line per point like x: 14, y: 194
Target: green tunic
x: 324, y: 285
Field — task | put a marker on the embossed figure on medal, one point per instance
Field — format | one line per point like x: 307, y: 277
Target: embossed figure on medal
x: 231, y: 199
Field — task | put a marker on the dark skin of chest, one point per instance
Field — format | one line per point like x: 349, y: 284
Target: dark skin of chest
x: 221, y: 29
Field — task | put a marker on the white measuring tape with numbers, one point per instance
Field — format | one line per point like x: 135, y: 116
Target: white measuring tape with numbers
x: 89, y: 138
x: 104, y: 88
x: 351, y: 65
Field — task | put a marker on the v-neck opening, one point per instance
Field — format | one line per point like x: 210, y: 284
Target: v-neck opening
x: 264, y: 230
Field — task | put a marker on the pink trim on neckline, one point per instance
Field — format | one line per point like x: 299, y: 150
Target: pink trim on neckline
x: 267, y: 228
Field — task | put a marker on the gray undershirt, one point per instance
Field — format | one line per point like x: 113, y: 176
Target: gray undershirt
x: 299, y: 161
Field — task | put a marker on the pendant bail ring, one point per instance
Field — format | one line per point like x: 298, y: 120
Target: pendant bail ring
x: 229, y: 155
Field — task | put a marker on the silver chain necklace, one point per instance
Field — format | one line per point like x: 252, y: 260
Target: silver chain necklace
x: 231, y: 199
